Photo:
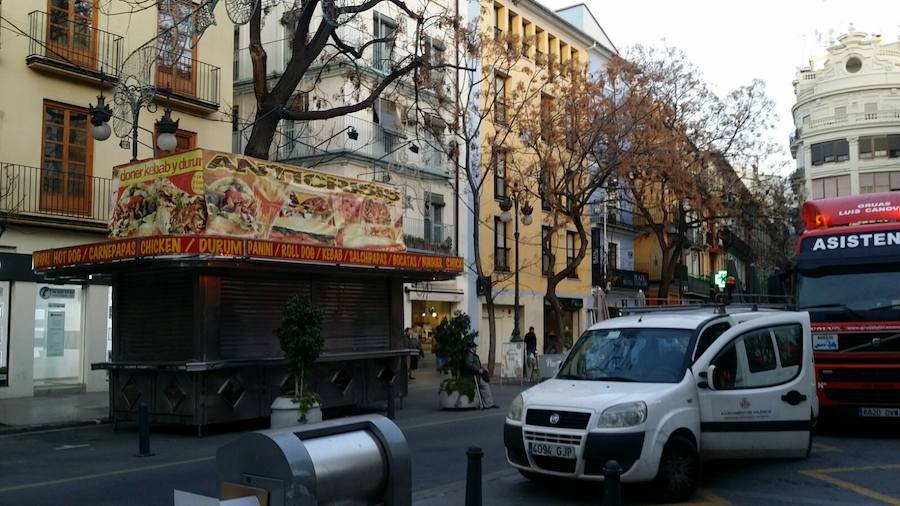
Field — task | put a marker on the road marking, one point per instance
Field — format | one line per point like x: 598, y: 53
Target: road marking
x: 825, y: 475
x: 104, y: 475
x: 71, y: 447
x: 452, y: 420
x: 823, y: 448
x: 711, y: 499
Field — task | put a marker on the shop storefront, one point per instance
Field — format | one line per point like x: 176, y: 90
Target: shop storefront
x: 428, y: 306
x: 45, y: 331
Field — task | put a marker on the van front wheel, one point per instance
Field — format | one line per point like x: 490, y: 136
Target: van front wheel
x: 679, y: 470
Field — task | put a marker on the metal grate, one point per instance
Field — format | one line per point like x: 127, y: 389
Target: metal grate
x: 567, y: 419
x: 544, y: 437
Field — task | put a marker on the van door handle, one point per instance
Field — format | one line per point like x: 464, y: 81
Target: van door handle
x: 793, y: 397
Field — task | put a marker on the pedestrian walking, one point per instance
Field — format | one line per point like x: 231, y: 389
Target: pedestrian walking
x: 416, y: 346
x: 530, y: 352
x: 482, y: 377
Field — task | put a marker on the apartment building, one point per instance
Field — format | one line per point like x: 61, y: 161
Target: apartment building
x: 56, y: 57
x: 387, y: 142
x: 847, y: 118
x: 546, y: 37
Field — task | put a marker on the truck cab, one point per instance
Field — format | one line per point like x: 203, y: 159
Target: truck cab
x: 660, y: 391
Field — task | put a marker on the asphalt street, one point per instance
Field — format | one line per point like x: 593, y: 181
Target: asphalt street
x: 96, y: 466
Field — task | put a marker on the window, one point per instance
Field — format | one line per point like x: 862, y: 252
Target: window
x: 871, y: 110
x: 184, y: 141
x: 501, y: 251
x: 709, y: 336
x: 877, y: 182
x: 840, y: 113
x: 236, y: 70
x: 385, y: 28
x: 177, y: 52
x: 70, y: 31
x: 235, y: 114
x: 500, y: 102
x: 571, y: 239
x: 853, y: 65
x: 499, y: 157
x: 643, y: 355
x: 827, y: 187
x: 546, y: 245
x: 879, y: 146
x: 58, y: 334
x: 830, y: 152
x: 760, y: 358
x: 386, y: 114
x: 612, y: 256
x: 434, y: 55
x: 66, y: 164
x: 542, y: 190
x: 434, y: 218
x: 546, y: 116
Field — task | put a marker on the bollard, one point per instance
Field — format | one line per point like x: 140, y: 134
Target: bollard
x: 612, y: 487
x: 473, y: 476
x: 144, y: 430
x: 391, y: 411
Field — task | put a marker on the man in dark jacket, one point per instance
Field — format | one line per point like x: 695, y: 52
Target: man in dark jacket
x: 530, y: 351
x: 473, y: 367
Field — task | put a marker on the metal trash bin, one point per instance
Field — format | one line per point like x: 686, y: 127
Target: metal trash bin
x: 362, y: 460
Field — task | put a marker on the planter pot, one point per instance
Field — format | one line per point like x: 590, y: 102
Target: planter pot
x: 286, y: 413
x: 456, y: 400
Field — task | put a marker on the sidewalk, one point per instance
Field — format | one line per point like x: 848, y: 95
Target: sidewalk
x: 53, y: 409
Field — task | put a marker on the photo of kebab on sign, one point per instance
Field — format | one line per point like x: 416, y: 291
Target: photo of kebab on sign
x: 157, y: 207
x: 373, y: 226
x: 233, y: 208
x: 305, y: 217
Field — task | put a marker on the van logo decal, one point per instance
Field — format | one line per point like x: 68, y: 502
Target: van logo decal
x: 745, y: 403
x: 554, y: 418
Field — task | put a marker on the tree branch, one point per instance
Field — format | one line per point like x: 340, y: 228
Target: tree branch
x: 258, y: 57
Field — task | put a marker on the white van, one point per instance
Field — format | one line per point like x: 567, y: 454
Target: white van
x: 660, y: 391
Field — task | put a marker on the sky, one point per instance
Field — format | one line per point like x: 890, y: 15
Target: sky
x: 734, y: 42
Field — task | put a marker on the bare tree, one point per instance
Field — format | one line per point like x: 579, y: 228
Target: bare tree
x: 686, y: 131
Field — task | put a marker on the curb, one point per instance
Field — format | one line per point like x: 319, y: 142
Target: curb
x: 24, y: 429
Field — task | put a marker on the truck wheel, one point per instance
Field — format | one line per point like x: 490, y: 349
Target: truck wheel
x: 679, y: 470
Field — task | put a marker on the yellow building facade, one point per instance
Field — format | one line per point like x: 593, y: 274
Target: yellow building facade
x: 544, y: 36
x: 56, y: 57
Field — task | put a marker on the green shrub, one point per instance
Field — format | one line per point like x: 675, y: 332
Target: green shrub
x: 300, y: 335
x: 454, y: 337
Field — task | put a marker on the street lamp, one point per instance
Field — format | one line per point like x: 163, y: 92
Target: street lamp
x: 507, y: 204
x: 136, y: 98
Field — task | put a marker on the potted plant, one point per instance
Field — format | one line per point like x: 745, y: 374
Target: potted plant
x: 300, y: 335
x: 454, y: 337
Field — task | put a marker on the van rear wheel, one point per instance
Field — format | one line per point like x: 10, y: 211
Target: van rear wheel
x: 679, y: 470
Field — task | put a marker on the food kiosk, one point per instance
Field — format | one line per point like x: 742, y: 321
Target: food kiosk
x: 206, y: 247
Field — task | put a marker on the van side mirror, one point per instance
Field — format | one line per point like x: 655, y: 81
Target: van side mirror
x: 710, y: 375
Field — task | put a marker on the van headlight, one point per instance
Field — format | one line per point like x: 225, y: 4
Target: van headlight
x: 623, y: 415
x: 515, y: 409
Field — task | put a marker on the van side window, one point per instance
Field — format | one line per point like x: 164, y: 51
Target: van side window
x: 751, y: 360
x: 709, y: 335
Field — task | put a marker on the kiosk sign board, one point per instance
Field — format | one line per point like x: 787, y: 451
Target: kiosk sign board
x: 203, y: 192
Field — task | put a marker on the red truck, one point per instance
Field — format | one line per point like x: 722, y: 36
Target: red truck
x: 848, y: 276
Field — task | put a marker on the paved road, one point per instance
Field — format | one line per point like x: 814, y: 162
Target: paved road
x: 96, y: 466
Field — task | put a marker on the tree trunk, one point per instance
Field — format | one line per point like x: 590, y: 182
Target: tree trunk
x: 553, y: 299
x: 263, y: 132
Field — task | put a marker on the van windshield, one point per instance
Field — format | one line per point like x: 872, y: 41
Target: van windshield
x: 637, y: 355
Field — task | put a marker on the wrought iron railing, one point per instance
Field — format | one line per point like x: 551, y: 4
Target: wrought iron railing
x: 32, y: 192
x: 183, y: 76
x: 75, y: 44
x: 420, y: 234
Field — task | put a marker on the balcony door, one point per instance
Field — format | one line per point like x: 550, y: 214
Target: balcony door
x: 70, y: 31
x: 65, y: 160
x: 177, y: 48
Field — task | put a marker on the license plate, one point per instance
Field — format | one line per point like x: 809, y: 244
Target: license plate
x: 551, y: 450
x: 880, y: 412
x: 825, y: 342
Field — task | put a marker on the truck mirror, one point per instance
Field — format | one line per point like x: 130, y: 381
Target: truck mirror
x: 711, y: 374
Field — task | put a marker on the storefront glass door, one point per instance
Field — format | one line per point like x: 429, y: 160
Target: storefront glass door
x: 58, y: 335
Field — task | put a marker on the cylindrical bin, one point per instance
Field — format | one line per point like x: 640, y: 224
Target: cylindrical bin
x: 357, y: 460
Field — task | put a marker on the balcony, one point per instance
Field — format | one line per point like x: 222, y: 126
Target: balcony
x: 424, y: 236
x: 307, y: 142
x: 859, y: 119
x: 187, y: 81
x: 698, y: 286
x: 72, y: 48
x: 29, y: 194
